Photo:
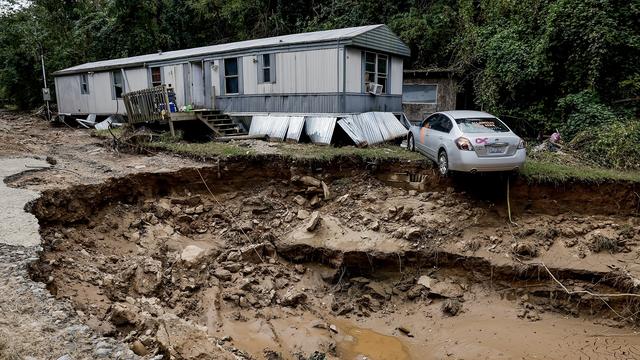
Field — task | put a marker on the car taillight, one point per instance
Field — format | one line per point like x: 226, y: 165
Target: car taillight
x: 464, y: 144
x: 522, y: 144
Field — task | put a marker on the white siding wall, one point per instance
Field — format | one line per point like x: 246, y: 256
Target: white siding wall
x: 314, y: 71
x: 99, y: 100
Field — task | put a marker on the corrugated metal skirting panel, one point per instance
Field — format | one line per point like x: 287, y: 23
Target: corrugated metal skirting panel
x: 372, y: 128
x: 275, y: 127
x: 296, y: 125
x: 320, y: 129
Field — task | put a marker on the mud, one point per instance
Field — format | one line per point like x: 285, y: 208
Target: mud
x: 272, y: 259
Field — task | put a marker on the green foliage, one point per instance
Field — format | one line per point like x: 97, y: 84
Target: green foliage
x: 613, y: 144
x: 583, y: 111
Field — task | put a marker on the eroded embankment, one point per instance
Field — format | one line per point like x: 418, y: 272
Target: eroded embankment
x: 156, y: 260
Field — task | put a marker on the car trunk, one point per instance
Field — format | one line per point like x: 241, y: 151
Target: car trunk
x: 494, y: 144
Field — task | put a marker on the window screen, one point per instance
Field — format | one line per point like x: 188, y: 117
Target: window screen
x: 420, y: 94
x: 156, y: 76
x: 84, y: 84
x: 117, y: 84
x: 231, y: 76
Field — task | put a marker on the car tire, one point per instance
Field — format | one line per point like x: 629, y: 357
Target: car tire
x: 411, y: 144
x: 443, y: 163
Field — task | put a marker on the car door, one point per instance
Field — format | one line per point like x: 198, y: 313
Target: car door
x: 423, y: 134
x: 439, y: 126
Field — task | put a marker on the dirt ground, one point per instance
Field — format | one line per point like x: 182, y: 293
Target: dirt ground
x: 272, y: 258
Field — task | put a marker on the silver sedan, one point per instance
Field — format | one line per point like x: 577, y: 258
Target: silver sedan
x: 469, y: 141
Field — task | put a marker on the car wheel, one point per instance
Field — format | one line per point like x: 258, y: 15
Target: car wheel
x: 411, y: 144
x: 443, y: 163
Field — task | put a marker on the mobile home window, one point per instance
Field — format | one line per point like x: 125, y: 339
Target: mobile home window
x: 419, y: 94
x: 84, y: 84
x: 156, y: 76
x: 231, y: 76
x: 266, y: 72
x: 117, y: 86
x: 376, y: 69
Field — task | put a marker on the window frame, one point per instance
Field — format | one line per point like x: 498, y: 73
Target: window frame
x: 159, y: 69
x: 418, y: 102
x: 271, y: 68
x: 84, y: 84
x: 235, y: 76
x: 114, y: 84
x: 377, y: 74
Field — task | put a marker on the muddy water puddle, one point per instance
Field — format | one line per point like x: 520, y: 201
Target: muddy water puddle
x: 360, y: 343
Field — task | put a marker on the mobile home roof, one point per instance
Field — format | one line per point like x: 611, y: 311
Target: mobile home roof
x: 375, y: 37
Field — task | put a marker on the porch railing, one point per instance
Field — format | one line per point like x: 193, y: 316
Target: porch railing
x: 151, y: 104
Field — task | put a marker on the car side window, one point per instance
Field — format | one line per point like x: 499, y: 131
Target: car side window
x: 434, y: 120
x: 428, y: 121
x: 445, y: 123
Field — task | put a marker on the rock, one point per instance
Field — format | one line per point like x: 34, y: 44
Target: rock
x: 303, y: 214
x: 525, y: 248
x: 405, y: 331
x: 413, y: 233
x: 375, y: 226
x: 451, y: 307
x: 446, y: 289
x: 257, y: 253
x: 300, y: 200
x: 415, y: 291
x: 65, y: 357
x: 315, y: 200
x: 360, y: 280
x: 138, y: 348
x: 378, y: 290
x: 426, y: 281
x: 293, y: 298
x: 121, y: 314
x: 314, y: 220
x: 325, y: 191
x: 333, y: 328
x: 310, y: 181
x: 319, y: 324
x: 148, y: 276
x: 222, y: 274
x: 300, y: 269
x: 191, y: 254
x: 289, y: 217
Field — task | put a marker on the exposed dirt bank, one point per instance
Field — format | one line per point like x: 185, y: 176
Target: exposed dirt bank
x: 315, y: 260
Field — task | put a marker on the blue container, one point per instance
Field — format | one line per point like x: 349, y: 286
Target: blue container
x: 172, y: 107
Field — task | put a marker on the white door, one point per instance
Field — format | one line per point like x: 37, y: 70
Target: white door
x: 197, y: 86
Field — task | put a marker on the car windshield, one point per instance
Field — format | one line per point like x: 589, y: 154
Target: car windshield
x: 481, y: 125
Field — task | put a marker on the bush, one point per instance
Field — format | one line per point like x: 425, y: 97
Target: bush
x: 612, y: 145
x: 583, y: 111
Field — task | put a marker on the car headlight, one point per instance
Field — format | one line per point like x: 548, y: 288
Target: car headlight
x: 522, y: 144
x: 464, y: 144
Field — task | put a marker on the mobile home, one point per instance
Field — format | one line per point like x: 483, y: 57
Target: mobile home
x: 343, y: 71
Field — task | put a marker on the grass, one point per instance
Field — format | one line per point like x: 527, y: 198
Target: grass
x: 323, y: 152
x: 539, y: 170
x: 208, y: 149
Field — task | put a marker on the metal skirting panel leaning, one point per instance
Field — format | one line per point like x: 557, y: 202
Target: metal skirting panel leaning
x: 320, y: 128
x: 275, y: 127
x: 372, y: 128
x: 390, y: 126
x: 296, y: 125
x: 352, y: 130
x: 259, y: 125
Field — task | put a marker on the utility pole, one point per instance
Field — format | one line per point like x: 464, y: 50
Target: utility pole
x: 45, y: 90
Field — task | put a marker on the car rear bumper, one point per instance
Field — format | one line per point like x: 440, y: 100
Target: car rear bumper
x: 468, y: 161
